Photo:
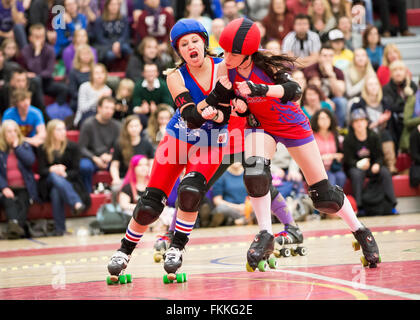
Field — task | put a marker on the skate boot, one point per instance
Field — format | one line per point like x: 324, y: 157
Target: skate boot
x: 365, y: 239
x: 162, y: 244
x: 116, y: 267
x: 173, y: 261
x: 258, y: 255
x: 288, y: 241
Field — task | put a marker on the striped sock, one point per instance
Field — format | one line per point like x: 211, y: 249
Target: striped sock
x: 134, y: 232
x: 184, y: 226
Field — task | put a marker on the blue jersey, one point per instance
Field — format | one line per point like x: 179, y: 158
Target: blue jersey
x: 210, y: 133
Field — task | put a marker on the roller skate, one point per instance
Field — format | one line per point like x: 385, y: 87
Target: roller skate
x: 366, y: 241
x: 161, y: 245
x: 116, y: 268
x: 258, y: 255
x: 173, y: 261
x: 289, y: 241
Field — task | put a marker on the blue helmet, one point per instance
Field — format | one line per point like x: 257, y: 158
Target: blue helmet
x: 187, y: 26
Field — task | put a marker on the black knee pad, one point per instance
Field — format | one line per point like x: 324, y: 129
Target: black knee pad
x: 257, y: 176
x: 326, y: 197
x: 191, y: 190
x: 150, y: 206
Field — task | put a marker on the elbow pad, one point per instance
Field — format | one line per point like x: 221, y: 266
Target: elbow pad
x: 292, y: 92
x: 192, y: 117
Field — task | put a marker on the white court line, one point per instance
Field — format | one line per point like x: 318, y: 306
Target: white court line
x: 355, y: 285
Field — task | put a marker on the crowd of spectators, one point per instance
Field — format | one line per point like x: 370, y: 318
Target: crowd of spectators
x: 97, y: 67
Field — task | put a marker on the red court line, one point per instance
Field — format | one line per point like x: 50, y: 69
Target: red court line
x: 193, y: 241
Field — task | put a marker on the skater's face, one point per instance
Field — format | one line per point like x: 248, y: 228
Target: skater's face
x: 142, y: 168
x: 191, y: 48
x: 233, y: 60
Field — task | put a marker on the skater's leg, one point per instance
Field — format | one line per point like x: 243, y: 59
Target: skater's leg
x: 279, y: 207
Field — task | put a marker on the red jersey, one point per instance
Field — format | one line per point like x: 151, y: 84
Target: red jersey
x: 283, y: 120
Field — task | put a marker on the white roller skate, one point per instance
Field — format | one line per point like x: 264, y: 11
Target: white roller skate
x: 116, y: 267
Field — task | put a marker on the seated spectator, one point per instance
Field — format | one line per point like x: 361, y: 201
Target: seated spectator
x: 411, y: 119
x: 340, y: 8
x: 39, y: 60
x: 10, y: 50
x: 217, y: 27
x: 231, y: 10
x: 332, y: 80
x: 385, y: 7
x: 256, y: 10
x: 155, y: 21
x: 90, y: 9
x: 391, y: 53
x: 90, y: 92
x: 80, y: 38
x: 396, y: 93
x: 40, y: 12
x: 279, y: 21
x: 98, y: 136
x: 273, y: 47
x: 19, y: 80
x: 194, y: 10
x: 60, y: 181
x: 158, y: 120
x: 124, y: 98
x: 83, y: 64
x: 17, y: 181
x: 131, y: 142
x: 313, y: 100
x: 363, y: 158
x: 342, y: 56
x: 352, y: 39
x: 29, y: 118
x: 324, y: 127
x: 414, y: 173
x: 302, y: 43
x: 322, y: 18
x: 229, y: 196
x: 355, y: 75
x: 112, y: 34
x: 12, y: 17
x: 149, y: 93
x: 372, y: 44
x: 298, y: 6
x: 73, y: 20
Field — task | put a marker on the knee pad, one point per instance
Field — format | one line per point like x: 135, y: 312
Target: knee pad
x: 150, y: 206
x: 257, y: 176
x: 325, y: 197
x: 191, y: 190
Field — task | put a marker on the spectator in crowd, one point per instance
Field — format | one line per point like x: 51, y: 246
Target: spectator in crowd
x: 10, y: 50
x: 124, y: 97
x: 39, y: 60
x: 80, y: 38
x: 98, y: 136
x: 90, y: 9
x: 19, y: 80
x: 396, y: 93
x: 357, y: 72
x: 322, y: 18
x: 194, y: 10
x: 279, y: 21
x: 363, y: 158
x: 60, y: 181
x: 257, y: 9
x: 299, y: 77
x: 273, y: 47
x: 332, y: 80
x: 155, y: 21
x: 372, y: 44
x: 353, y: 39
x: 414, y: 173
x: 12, y: 21
x: 40, y: 12
x: 158, y: 120
x: 302, y: 43
x: 391, y: 53
x: 325, y: 132
x: 217, y: 27
x: 263, y: 32
x: 342, y: 55
x: 298, y: 6
x: 140, y: 5
x: 112, y: 34
x: 29, y: 118
x: 73, y: 20
x: 385, y: 7
x: 130, y: 142
x: 150, y: 92
x: 231, y: 11
x: 411, y: 119
x: 229, y: 196
x: 340, y: 8
x: 90, y: 92
x: 17, y: 181
x: 313, y: 100
x: 83, y: 64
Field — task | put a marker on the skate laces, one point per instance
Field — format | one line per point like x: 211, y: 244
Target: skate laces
x: 120, y: 257
x: 282, y: 233
x: 172, y: 254
x: 166, y: 238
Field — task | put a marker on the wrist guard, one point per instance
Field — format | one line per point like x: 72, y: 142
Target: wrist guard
x: 219, y: 95
x: 257, y: 90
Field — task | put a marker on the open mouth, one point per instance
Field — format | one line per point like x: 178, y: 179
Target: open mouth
x: 194, y: 55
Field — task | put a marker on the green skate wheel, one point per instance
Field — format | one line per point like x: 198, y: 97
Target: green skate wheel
x: 166, y: 280
x: 109, y: 281
x: 122, y: 279
x: 129, y: 278
x: 262, y: 266
x: 272, y: 263
x: 249, y: 268
x: 184, y: 277
x: 380, y: 259
x: 179, y: 278
x: 301, y: 251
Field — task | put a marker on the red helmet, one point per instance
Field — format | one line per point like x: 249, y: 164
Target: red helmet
x: 240, y: 36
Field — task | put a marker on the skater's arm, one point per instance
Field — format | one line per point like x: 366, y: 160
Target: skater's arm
x: 288, y: 91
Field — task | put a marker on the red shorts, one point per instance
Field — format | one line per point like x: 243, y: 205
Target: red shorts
x: 173, y: 156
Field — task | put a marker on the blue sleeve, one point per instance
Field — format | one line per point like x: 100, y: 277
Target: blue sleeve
x: 216, y: 7
x: 38, y: 117
x: 218, y: 187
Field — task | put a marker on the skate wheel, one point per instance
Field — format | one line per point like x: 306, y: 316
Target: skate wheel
x: 365, y: 263
x: 262, y: 266
x: 112, y: 279
x: 157, y: 257
x: 272, y: 263
x: 109, y: 281
x: 380, y: 259
x: 285, y: 252
x: 166, y: 280
x: 293, y: 252
x: 129, y: 278
x: 181, y: 277
x: 356, y: 245
x: 249, y: 268
x: 277, y: 253
x: 301, y: 251
x: 122, y: 279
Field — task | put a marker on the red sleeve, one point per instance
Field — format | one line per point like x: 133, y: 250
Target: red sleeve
x: 141, y: 27
x: 383, y: 75
x: 339, y: 74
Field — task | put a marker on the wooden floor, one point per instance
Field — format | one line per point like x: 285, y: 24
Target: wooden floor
x: 74, y: 267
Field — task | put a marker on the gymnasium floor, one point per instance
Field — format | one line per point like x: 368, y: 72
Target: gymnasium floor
x: 74, y: 266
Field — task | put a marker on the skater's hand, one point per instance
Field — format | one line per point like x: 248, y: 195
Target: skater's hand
x: 239, y: 105
x: 243, y: 88
x: 8, y: 193
x: 375, y: 168
x: 224, y: 80
x: 209, y: 113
